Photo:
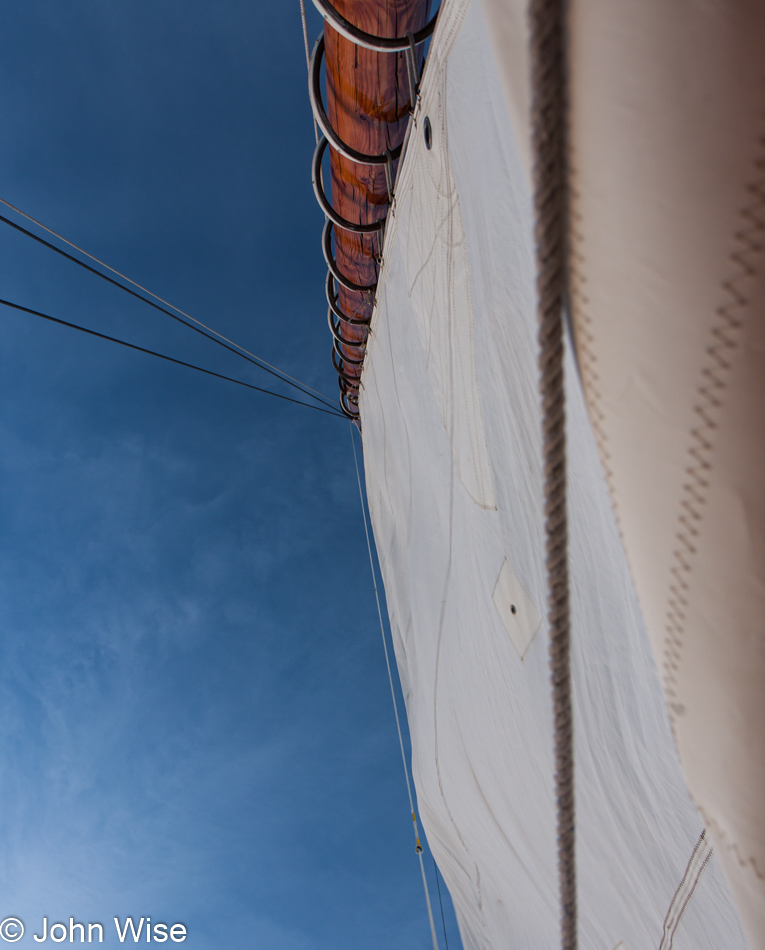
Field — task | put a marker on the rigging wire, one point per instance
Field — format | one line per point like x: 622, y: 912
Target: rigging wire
x: 195, y: 324
x: 440, y: 901
x: 418, y: 846
x: 308, y: 61
x: 162, y: 356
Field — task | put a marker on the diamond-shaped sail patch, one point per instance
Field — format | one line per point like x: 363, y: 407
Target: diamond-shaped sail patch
x: 516, y: 609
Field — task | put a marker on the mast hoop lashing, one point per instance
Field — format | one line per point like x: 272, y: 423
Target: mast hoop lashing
x: 413, y: 72
x: 351, y: 391
x: 379, y: 44
x: 351, y: 380
x: 353, y: 416
x: 335, y: 306
x: 334, y: 329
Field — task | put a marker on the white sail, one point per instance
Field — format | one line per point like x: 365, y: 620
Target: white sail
x: 668, y: 303
x: 452, y: 460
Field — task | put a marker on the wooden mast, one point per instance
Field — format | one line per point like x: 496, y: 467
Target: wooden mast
x: 368, y: 105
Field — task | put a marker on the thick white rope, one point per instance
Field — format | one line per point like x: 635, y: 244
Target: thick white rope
x: 418, y: 846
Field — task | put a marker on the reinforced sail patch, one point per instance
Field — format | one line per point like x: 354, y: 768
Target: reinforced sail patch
x: 516, y: 609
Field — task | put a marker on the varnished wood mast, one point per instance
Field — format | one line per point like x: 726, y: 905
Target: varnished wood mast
x: 368, y: 105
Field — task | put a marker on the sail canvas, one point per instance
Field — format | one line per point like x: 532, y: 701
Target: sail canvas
x: 452, y: 451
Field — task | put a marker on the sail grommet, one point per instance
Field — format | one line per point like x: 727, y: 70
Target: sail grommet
x: 427, y: 131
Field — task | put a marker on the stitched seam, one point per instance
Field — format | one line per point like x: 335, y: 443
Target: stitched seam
x: 690, y: 894
x: 714, y: 380
x: 685, y: 890
x: 744, y: 862
x: 585, y: 341
x: 709, y: 402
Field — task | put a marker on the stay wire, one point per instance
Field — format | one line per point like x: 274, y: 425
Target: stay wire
x: 162, y: 356
x: 308, y: 61
x: 440, y: 901
x: 418, y: 846
x: 195, y: 324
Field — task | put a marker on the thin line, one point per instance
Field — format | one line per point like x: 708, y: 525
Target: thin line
x: 382, y: 627
x: 308, y: 62
x: 683, y: 881
x: 690, y: 895
x: 672, y: 919
x: 252, y: 357
x: 393, y: 696
x: 435, y: 867
x: 170, y: 359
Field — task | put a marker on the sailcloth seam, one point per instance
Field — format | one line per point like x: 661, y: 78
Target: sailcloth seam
x: 744, y: 861
x: 585, y: 341
x: 440, y: 286
x: 697, y: 862
x: 451, y: 18
x: 446, y: 249
x: 723, y: 342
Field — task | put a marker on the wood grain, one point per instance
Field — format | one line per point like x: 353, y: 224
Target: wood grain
x: 367, y: 99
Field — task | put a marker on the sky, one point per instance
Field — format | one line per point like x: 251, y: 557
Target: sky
x: 195, y: 717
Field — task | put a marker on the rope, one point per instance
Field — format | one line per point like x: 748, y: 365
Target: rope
x: 418, y: 846
x: 548, y: 119
x: 308, y: 61
x: 221, y: 340
x: 440, y: 901
x: 170, y: 359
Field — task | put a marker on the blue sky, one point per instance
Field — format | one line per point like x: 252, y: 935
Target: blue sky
x: 195, y: 722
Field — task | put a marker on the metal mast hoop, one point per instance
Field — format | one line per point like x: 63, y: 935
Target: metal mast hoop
x: 322, y: 120
x: 380, y: 44
x: 317, y: 178
x: 326, y: 242
x: 349, y: 385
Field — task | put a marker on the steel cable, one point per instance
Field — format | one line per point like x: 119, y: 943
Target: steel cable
x: 195, y: 324
x: 162, y: 356
x: 308, y: 60
x: 418, y: 846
